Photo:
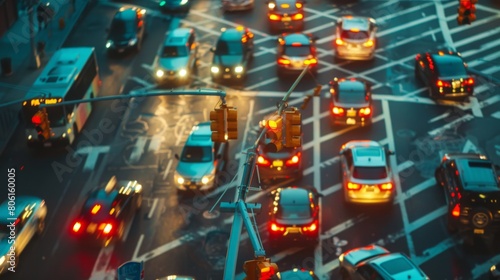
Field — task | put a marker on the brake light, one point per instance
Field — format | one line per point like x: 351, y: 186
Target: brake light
x: 368, y: 43
x: 275, y: 227
x: 339, y: 42
x: 107, y: 228
x: 283, y: 61
x: 298, y: 16
x: 310, y: 61
x: 352, y: 186
x: 456, y: 211
x: 263, y: 161
x: 77, y: 226
x: 469, y: 82
x: 311, y: 227
x: 95, y: 209
x: 337, y: 111
x: 274, y: 17
x: 364, y: 112
x: 386, y: 187
x: 298, y: 5
x: 440, y: 83
x: 294, y: 160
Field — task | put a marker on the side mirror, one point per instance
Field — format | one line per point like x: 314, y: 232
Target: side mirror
x: 176, y: 156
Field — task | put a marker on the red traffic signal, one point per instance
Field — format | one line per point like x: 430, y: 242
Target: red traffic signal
x: 466, y: 12
x: 42, y: 125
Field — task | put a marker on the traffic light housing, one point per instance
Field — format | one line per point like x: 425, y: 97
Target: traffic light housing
x: 42, y: 124
x: 218, y: 125
x: 466, y: 12
x: 293, y: 128
x: 274, y: 133
x: 260, y: 268
x: 232, y: 123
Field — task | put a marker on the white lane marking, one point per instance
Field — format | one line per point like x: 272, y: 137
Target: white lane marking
x: 153, y: 207
x: 155, y: 143
x: 99, y: 271
x: 430, y: 253
x: 484, y: 47
x: 451, y: 124
x: 490, y: 33
x: 92, y: 155
x: 318, y: 253
x: 443, y: 24
x: 138, y: 246
x: 138, y: 149
x: 402, y: 197
x: 141, y: 81
x: 470, y: 147
x: 481, y: 269
x: 440, y: 117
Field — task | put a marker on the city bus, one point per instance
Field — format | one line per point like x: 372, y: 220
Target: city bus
x: 70, y: 74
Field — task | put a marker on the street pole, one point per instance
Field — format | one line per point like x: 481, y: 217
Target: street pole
x: 35, y: 58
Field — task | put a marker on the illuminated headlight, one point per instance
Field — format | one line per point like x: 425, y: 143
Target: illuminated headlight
x: 238, y: 69
x: 183, y: 2
x: 64, y: 135
x: 159, y: 73
x: 341, y: 258
x: 178, y: 178
x: 214, y: 69
x: 109, y: 43
x: 30, y: 137
x: 271, y: 5
x: 493, y: 268
x: 182, y: 72
x: 138, y: 188
x: 132, y: 42
x: 205, y: 180
x: 2, y: 260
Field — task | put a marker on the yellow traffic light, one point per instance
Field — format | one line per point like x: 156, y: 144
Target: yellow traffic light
x: 42, y: 124
x: 274, y: 133
x: 293, y: 128
x: 232, y: 123
x: 217, y: 125
x: 261, y: 269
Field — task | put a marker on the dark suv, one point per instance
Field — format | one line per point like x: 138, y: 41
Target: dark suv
x: 472, y: 192
x: 127, y: 30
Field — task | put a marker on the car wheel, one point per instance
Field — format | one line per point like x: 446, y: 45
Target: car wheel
x: 40, y: 227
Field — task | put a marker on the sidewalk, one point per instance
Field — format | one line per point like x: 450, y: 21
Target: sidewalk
x: 15, y: 44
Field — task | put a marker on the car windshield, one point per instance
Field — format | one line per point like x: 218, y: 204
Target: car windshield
x: 174, y: 51
x: 120, y: 27
x: 370, y: 173
x: 297, y: 50
x: 355, y: 35
x: 288, y: 8
x: 197, y: 154
x: 354, y: 96
x: 451, y: 68
x: 294, y: 212
x: 229, y: 48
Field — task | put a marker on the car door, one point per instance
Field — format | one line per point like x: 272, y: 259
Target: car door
x: 346, y: 165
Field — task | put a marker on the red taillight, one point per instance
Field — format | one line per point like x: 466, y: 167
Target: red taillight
x: 283, y: 61
x: 311, y: 61
x: 440, y: 83
x: 107, y: 228
x: 276, y: 227
x: 364, y: 112
x: 298, y: 16
x: 456, y: 211
x: 368, y: 43
x: 337, y: 111
x: 263, y: 161
x: 352, y: 186
x: 339, y: 42
x: 386, y: 186
x: 95, y: 209
x: 293, y: 161
x: 36, y: 120
x: 274, y: 17
x: 77, y: 226
x: 310, y: 228
x: 469, y: 82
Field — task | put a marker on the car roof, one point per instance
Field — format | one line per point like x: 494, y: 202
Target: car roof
x: 293, y: 195
x: 297, y: 274
x: 178, y: 36
x: 477, y: 174
x: 232, y: 34
x: 354, y: 22
x: 442, y: 57
x: 200, y: 135
x: 129, y: 13
x: 21, y: 203
x: 398, y: 266
x: 301, y: 38
x: 367, y: 153
x: 351, y: 85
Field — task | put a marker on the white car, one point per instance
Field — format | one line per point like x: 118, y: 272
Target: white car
x: 20, y: 220
x: 355, y: 38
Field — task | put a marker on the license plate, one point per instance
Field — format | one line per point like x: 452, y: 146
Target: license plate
x: 297, y: 64
x: 351, y: 113
x: 193, y: 187
x: 278, y: 163
x: 286, y: 19
x: 478, y: 231
x: 350, y: 121
x: 91, y: 228
x: 47, y: 144
x: 456, y: 84
x: 293, y: 230
x: 226, y: 76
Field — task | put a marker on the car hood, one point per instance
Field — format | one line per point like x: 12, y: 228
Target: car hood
x: 194, y: 170
x: 173, y: 63
x: 362, y: 254
x: 227, y: 60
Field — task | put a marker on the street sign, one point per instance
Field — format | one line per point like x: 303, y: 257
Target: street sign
x: 131, y: 271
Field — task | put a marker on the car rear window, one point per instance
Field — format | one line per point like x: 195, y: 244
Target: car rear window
x: 197, y: 154
x: 396, y: 266
x: 354, y: 96
x: 303, y: 50
x: 370, y: 173
x: 294, y: 212
x: 174, y: 51
x: 289, y: 8
x: 451, y: 68
x: 355, y: 35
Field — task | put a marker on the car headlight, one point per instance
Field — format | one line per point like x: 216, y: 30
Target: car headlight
x: 238, y: 69
x: 214, y: 69
x: 109, y: 43
x: 2, y: 260
x: 178, y: 178
x: 132, y: 42
x: 183, y: 2
x: 182, y: 72
x: 159, y: 73
x: 138, y: 188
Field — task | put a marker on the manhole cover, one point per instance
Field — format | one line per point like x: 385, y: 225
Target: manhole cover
x: 211, y: 215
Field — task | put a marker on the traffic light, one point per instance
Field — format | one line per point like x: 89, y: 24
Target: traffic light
x: 250, y: 269
x: 274, y: 133
x: 260, y: 269
x: 293, y: 128
x: 42, y: 125
x: 232, y: 123
x: 317, y: 90
x: 217, y: 125
x: 466, y: 12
